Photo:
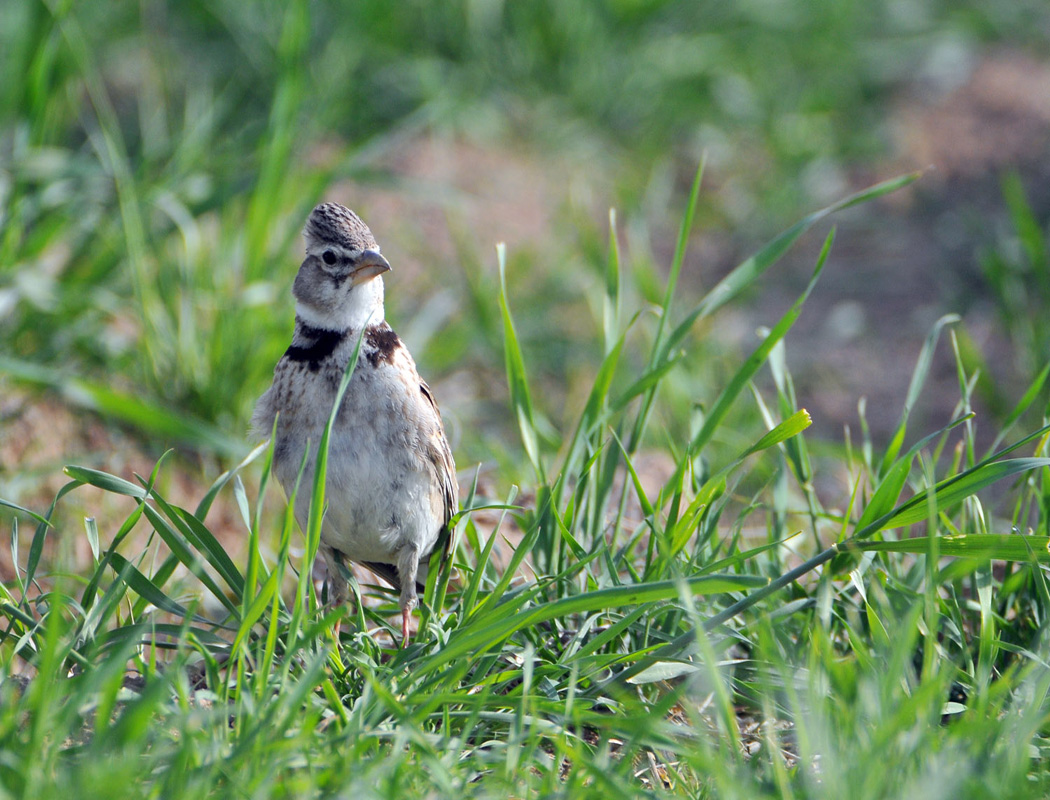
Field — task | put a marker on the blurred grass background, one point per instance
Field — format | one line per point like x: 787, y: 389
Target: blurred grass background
x: 157, y: 160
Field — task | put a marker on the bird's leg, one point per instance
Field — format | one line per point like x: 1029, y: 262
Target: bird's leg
x: 406, y: 612
x: 407, y: 566
x: 337, y: 584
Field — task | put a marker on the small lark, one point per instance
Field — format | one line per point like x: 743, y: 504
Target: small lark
x: 391, y: 481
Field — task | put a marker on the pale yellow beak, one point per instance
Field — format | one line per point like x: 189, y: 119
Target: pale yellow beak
x: 368, y: 265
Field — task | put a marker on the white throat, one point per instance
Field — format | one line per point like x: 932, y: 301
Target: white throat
x: 362, y: 306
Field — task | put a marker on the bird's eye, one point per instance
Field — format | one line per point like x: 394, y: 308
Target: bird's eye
x: 329, y: 257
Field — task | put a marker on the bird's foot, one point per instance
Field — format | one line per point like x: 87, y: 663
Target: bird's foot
x: 405, y: 613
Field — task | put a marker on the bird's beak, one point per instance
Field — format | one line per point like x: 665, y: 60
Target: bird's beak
x: 367, y: 266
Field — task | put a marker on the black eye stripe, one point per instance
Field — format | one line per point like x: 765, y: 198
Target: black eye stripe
x: 329, y: 257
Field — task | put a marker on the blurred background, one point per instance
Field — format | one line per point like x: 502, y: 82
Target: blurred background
x: 158, y: 159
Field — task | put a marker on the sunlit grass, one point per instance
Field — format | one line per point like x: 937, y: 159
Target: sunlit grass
x: 713, y: 627
x: 688, y: 642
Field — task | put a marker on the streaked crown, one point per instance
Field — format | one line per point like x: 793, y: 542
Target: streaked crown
x: 333, y: 224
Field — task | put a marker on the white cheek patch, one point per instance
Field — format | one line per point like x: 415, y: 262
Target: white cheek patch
x: 311, y: 316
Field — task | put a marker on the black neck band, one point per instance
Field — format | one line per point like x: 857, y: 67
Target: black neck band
x: 318, y: 344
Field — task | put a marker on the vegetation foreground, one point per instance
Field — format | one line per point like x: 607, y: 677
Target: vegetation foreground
x: 724, y: 636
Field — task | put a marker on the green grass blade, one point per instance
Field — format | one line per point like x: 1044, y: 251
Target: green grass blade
x: 22, y: 510
x: 792, y: 426
x: 750, y: 270
x: 484, y: 632
x: 611, y: 298
x: 953, y: 490
x: 255, y: 611
x: 647, y: 382
x: 517, y: 378
x: 213, y: 491
x: 468, y: 596
x: 1032, y: 393
x: 317, y: 498
x: 918, y: 380
x: 595, y: 410
x: 681, y: 246
x: 36, y: 547
x: 143, y: 586
x: 996, y: 546
x: 889, y: 489
x: 187, y: 555
x: 754, y: 362
x: 1029, y: 231
x: 204, y: 542
x: 661, y: 348
x: 106, y: 482
x: 87, y: 597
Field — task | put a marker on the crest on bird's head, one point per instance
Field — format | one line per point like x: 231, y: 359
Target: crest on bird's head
x: 334, y: 224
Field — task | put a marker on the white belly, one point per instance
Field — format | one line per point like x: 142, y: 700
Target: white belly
x: 380, y: 496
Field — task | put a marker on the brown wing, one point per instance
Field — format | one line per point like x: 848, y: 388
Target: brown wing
x: 440, y: 454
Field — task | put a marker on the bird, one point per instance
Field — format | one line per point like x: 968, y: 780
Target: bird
x: 390, y: 486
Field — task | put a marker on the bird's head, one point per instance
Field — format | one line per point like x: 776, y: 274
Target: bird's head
x: 339, y: 284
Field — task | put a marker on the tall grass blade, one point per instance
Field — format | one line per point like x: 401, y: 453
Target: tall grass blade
x: 754, y: 362
x: 953, y: 490
x: 918, y: 380
x: 995, y: 546
x: 611, y: 299
x: 517, y: 380
x: 750, y: 270
x: 317, y: 497
x: 661, y: 348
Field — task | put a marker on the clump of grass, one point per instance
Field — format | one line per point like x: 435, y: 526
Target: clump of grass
x: 726, y: 635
